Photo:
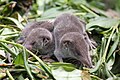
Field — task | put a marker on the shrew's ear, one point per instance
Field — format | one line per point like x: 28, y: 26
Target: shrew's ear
x: 67, y: 43
x: 46, y: 41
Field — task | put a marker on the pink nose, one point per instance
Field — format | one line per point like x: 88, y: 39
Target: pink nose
x: 29, y: 47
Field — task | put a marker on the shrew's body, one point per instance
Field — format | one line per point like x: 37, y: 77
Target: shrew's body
x: 67, y: 24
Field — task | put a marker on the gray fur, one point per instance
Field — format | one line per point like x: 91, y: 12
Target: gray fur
x: 74, y: 45
x: 39, y: 39
x: 32, y: 25
x: 65, y: 24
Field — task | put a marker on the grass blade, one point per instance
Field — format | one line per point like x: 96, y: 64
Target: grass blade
x: 26, y: 64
